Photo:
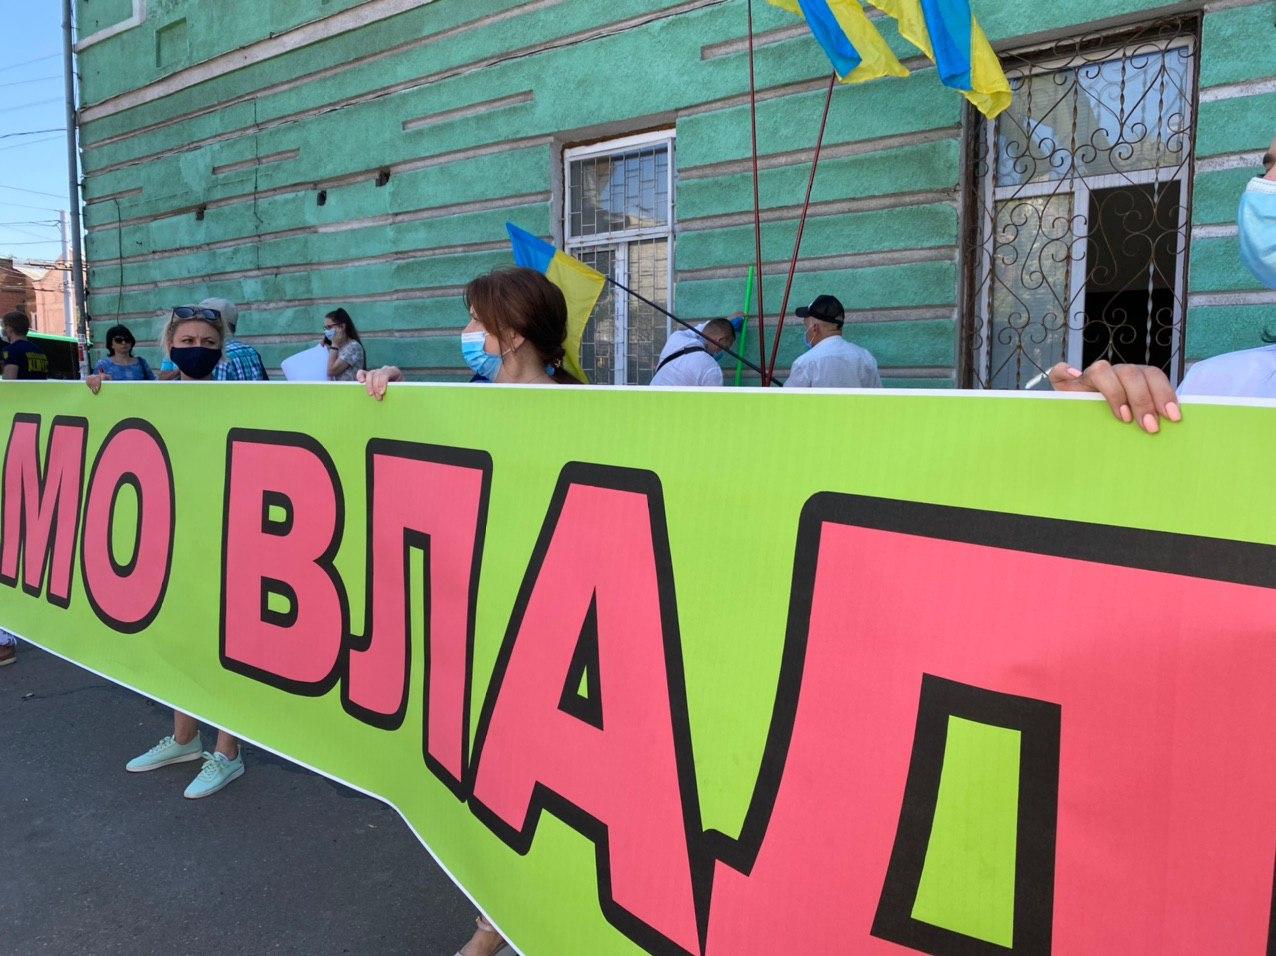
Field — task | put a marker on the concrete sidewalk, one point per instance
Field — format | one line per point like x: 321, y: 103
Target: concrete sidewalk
x: 96, y: 860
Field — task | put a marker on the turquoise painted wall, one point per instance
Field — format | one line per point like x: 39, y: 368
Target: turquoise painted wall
x: 207, y: 137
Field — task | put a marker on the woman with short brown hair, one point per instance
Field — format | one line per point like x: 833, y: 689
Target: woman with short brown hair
x: 515, y: 336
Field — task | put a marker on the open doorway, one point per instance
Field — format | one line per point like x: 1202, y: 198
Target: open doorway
x: 1078, y: 208
x: 1131, y: 265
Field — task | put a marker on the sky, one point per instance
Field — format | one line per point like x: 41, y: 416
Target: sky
x: 33, y: 171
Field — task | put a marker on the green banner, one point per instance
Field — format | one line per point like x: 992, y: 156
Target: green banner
x: 718, y: 672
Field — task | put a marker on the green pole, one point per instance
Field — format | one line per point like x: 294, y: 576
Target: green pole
x: 744, y: 329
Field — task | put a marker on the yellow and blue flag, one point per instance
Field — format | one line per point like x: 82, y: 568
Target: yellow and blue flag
x: 948, y: 33
x: 855, y: 48
x: 581, y: 286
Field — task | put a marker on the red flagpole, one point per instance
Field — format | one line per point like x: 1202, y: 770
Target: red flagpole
x: 797, y: 244
x: 757, y: 203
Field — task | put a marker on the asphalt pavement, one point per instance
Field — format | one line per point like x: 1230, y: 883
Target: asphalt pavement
x: 96, y: 860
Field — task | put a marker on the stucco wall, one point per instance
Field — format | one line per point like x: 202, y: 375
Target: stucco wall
x: 206, y: 143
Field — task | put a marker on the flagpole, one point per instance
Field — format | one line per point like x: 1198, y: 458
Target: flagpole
x: 665, y: 312
x: 744, y: 326
x: 806, y: 208
x: 757, y: 202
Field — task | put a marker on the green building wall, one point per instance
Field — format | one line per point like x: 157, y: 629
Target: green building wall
x: 209, y: 131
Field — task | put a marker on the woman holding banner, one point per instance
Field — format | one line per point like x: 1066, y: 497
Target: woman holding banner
x: 518, y: 323
x: 515, y: 336
x: 193, y: 340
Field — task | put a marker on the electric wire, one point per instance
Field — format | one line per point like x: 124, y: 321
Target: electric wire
x: 38, y: 59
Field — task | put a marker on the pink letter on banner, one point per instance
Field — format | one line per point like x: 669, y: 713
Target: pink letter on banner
x: 127, y: 597
x: 586, y: 713
x: 282, y: 527
x: 42, y: 507
x: 434, y: 500
x: 1159, y: 679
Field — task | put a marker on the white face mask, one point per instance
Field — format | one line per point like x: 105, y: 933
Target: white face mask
x: 1256, y: 222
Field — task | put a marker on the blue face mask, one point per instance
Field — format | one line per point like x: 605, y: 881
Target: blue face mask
x: 476, y: 357
x: 330, y: 334
x: 1256, y: 222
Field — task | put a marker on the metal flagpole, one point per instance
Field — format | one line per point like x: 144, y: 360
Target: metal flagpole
x: 797, y: 243
x: 67, y: 298
x: 757, y: 204
x: 73, y: 169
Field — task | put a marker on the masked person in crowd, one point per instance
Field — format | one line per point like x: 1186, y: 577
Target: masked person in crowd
x: 515, y: 336
x: 692, y: 358
x: 345, y: 349
x: 1142, y: 393
x: 518, y: 321
x: 23, y: 359
x: 241, y: 362
x: 830, y: 361
x: 121, y: 365
x: 193, y: 340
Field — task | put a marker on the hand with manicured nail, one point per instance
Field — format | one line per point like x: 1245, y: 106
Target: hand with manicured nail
x: 1135, y: 393
x: 377, y: 380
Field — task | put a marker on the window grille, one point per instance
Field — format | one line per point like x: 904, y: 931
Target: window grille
x: 1080, y: 209
x: 618, y: 219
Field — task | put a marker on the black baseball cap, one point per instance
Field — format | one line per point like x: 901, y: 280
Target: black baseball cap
x: 826, y: 308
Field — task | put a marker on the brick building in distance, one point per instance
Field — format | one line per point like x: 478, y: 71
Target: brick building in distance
x: 35, y: 289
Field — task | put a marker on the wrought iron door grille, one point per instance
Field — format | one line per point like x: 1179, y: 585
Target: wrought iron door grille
x: 1079, y: 218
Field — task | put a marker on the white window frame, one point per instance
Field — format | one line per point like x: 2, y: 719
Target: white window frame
x: 619, y: 241
x: 1079, y: 187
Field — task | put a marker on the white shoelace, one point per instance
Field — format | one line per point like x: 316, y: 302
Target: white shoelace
x: 210, y: 768
x: 168, y: 741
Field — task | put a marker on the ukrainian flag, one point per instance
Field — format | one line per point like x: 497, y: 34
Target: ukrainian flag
x: 858, y: 52
x: 947, y: 32
x: 581, y: 286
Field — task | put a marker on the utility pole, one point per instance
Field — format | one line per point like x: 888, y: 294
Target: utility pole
x: 73, y: 170
x: 67, y: 307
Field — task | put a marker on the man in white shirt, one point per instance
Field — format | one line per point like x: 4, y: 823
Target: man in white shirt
x: 831, y: 361
x: 690, y: 358
x: 1141, y: 393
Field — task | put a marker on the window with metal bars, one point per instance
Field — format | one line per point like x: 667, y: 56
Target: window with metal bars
x: 618, y: 219
x: 1080, y: 208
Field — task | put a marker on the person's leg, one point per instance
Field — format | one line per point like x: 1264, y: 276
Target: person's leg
x: 486, y: 941
x: 227, y: 745
x: 8, y: 648
x: 184, y: 745
x: 185, y: 727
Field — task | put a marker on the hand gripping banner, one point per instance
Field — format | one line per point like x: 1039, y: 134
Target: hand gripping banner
x: 940, y: 673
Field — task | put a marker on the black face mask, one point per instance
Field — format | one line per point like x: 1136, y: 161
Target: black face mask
x: 195, y: 361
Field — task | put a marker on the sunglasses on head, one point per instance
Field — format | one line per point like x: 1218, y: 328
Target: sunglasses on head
x: 196, y: 312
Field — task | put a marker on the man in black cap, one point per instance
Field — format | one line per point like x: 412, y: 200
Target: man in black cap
x: 831, y: 361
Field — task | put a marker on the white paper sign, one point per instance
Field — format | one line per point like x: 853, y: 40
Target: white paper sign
x: 308, y: 366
